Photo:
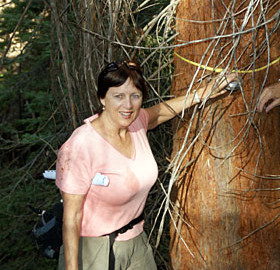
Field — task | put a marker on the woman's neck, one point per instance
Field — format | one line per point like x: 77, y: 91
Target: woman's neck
x: 107, y: 128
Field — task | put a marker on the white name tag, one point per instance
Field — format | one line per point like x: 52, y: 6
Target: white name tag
x: 100, y: 180
x: 49, y: 174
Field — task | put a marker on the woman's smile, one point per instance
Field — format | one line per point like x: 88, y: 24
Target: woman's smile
x: 126, y: 114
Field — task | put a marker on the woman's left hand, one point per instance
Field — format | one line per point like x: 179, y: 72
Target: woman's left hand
x: 221, y: 83
x: 164, y: 111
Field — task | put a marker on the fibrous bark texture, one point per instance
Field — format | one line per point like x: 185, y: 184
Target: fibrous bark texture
x: 225, y: 195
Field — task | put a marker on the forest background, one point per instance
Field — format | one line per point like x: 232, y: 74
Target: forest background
x: 49, y: 63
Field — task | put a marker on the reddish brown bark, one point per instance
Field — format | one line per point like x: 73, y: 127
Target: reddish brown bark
x: 202, y: 195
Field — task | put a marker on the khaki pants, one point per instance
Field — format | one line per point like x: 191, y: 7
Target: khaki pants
x: 133, y: 254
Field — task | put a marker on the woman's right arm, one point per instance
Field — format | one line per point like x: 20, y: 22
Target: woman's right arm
x: 72, y: 216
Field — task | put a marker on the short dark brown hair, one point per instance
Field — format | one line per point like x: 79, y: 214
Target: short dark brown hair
x: 116, y: 74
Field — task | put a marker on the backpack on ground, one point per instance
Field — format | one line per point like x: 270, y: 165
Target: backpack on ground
x: 48, y: 230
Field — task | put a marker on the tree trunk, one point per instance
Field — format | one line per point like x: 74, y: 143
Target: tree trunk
x: 229, y: 207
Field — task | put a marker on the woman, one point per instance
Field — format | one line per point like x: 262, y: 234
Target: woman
x: 106, y: 169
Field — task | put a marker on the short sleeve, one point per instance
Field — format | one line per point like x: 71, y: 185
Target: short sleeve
x: 72, y: 167
x: 144, y: 118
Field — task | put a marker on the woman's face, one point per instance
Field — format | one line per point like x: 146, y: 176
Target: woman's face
x: 122, y: 104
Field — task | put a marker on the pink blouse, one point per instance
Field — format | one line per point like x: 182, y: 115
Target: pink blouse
x: 116, y: 187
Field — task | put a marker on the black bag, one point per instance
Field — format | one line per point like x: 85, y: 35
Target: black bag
x: 48, y: 230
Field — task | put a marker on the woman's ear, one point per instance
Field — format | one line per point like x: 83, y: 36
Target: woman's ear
x: 102, y: 100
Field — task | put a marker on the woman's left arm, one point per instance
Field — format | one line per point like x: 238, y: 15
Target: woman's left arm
x: 164, y: 111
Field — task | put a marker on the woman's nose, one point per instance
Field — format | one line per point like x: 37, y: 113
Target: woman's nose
x: 128, y: 103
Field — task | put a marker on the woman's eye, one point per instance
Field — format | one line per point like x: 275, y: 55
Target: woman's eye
x: 118, y: 96
x: 136, y: 96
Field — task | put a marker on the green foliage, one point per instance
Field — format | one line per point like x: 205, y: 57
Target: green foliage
x: 145, y: 14
x: 18, y: 249
x: 29, y: 131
